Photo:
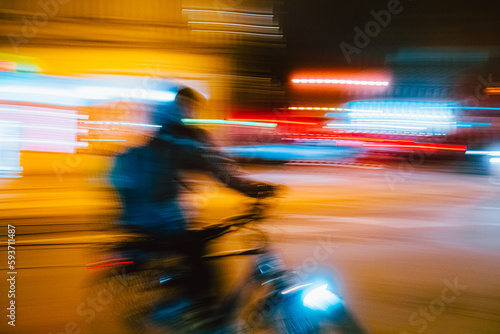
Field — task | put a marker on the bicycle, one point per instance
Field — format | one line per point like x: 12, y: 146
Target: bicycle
x: 156, y: 301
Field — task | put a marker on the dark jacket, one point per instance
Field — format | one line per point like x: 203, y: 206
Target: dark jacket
x: 147, y: 177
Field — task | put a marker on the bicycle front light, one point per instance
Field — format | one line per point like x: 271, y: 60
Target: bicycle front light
x: 321, y: 299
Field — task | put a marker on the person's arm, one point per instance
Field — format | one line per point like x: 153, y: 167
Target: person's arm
x: 197, y: 152
x: 226, y: 171
x: 189, y: 146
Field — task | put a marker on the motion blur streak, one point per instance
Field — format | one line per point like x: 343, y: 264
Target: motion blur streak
x: 221, y: 121
x: 44, y: 128
x: 381, y: 119
x: 102, y: 139
x: 122, y: 123
x: 236, y: 32
x: 492, y: 91
x: 233, y: 24
x: 227, y: 12
x: 331, y: 109
x: 335, y: 125
x: 340, y: 82
x: 273, y: 121
x: 421, y: 147
x: 45, y: 111
x: 493, y: 153
x: 340, y: 137
x: 110, y: 264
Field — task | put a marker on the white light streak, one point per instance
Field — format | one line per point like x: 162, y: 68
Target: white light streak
x: 43, y: 141
x: 334, y: 109
x: 87, y: 128
x: 108, y: 93
x: 234, y: 24
x: 295, y: 288
x: 401, y: 115
x: 31, y: 90
x: 383, y: 126
x: 237, y: 32
x: 10, y: 168
x: 51, y: 128
x: 441, y: 123
x: 227, y: 12
x: 490, y: 153
x: 36, y: 111
x: 123, y: 123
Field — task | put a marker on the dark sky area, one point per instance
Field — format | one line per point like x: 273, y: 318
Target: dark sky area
x: 314, y: 29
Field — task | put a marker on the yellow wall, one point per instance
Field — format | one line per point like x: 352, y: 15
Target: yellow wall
x: 84, y: 61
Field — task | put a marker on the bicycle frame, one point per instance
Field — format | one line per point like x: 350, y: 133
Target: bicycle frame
x: 283, y: 292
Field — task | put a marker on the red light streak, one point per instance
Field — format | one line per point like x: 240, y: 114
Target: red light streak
x: 352, y: 138
x: 340, y: 82
x: 422, y: 146
x: 386, y: 143
x: 272, y: 121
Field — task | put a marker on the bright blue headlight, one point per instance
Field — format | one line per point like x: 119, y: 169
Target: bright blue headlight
x: 320, y: 299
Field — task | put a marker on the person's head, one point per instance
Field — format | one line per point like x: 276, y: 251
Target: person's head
x: 188, y: 101
x: 185, y: 105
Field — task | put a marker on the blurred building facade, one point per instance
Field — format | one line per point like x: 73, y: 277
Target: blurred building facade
x: 224, y: 48
x: 226, y: 44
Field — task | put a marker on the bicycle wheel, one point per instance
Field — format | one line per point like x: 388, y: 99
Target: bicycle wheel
x: 271, y: 315
x: 130, y: 292
x: 279, y: 316
x: 123, y: 297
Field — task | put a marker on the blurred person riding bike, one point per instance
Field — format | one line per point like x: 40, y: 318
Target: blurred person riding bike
x: 148, y: 181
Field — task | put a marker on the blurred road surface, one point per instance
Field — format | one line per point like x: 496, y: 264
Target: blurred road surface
x: 416, y: 250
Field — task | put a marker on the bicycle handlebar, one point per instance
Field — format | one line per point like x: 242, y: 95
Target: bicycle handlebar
x: 218, y: 230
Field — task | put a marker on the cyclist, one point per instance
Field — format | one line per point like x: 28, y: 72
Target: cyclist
x: 148, y: 180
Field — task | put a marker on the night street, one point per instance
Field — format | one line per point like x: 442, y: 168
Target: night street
x: 398, y: 249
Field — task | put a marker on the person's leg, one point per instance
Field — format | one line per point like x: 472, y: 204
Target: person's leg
x: 175, y: 232
x: 202, y: 278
